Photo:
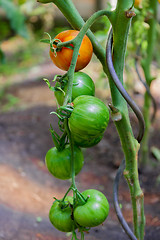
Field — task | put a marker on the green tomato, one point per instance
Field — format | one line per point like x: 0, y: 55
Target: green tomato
x: 61, y: 215
x: 87, y: 141
x: 88, y: 120
x: 59, y: 162
x: 82, y: 85
x: 94, y: 211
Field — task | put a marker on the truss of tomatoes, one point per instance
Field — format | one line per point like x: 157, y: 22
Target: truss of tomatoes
x: 90, y: 213
x: 87, y: 123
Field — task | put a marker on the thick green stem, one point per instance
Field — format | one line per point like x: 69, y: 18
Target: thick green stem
x: 121, y: 24
x: 120, y: 20
x: 146, y: 64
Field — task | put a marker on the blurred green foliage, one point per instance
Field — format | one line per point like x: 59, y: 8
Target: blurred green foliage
x: 15, y: 17
x: 7, y: 100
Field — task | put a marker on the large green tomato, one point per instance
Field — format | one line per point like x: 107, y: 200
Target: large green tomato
x: 82, y: 85
x: 94, y: 211
x: 88, y: 120
x: 59, y: 162
x: 61, y: 216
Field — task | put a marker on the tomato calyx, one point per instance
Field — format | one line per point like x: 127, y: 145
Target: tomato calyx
x: 81, y: 200
x: 54, y: 47
x: 64, y: 204
x: 63, y: 112
x: 58, y: 141
x: 59, y: 88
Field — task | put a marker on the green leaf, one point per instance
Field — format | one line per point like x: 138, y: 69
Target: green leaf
x: 17, y: 19
x: 156, y: 153
x: 2, y: 57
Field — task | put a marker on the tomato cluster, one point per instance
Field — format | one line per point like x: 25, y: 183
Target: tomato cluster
x: 83, y: 122
x: 90, y: 213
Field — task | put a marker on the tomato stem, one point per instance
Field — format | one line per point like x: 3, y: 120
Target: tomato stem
x: 76, y: 42
x: 69, y: 189
x: 71, y: 142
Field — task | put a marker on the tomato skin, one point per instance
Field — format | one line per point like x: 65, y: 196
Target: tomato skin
x: 82, y: 85
x: 88, y: 120
x: 137, y: 3
x: 64, y: 56
x: 94, y: 211
x: 59, y: 162
x: 87, y: 142
x: 61, y: 218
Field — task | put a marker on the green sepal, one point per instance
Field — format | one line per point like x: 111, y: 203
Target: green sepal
x: 45, y: 41
x: 49, y: 85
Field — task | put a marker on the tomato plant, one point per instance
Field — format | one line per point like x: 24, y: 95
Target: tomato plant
x: 94, y: 211
x: 59, y: 162
x: 88, y: 120
x: 60, y: 215
x: 83, y: 121
x: 62, y: 58
x: 82, y: 85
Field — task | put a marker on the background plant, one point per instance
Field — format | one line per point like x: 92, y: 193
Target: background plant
x: 144, y: 34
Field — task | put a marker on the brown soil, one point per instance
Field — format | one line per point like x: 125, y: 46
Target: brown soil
x: 27, y: 188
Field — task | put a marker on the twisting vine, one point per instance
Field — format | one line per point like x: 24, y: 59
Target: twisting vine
x: 121, y: 89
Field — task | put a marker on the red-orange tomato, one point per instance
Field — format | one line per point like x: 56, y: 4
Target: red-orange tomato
x: 63, y: 58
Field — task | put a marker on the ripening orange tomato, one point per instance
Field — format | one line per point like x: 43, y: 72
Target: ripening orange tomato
x: 159, y: 1
x: 137, y: 2
x: 63, y: 57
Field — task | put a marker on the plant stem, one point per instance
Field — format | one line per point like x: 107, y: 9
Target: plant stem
x: 77, y: 43
x: 72, y: 153
x: 121, y: 24
x: 146, y: 65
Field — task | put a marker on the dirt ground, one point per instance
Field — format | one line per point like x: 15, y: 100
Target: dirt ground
x: 27, y: 188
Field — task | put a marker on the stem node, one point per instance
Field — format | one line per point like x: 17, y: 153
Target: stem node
x: 130, y: 14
